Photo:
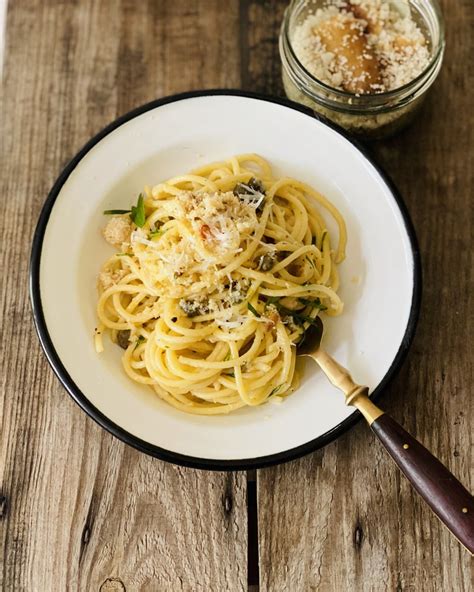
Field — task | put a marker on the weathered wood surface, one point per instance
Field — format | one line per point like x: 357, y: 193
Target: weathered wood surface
x: 343, y: 518
x: 81, y: 511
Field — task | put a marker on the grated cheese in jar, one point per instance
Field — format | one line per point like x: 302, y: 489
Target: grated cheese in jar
x: 361, y: 46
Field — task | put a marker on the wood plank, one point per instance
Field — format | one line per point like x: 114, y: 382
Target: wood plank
x: 78, y: 509
x: 3, y: 15
x: 343, y: 518
x: 259, y: 29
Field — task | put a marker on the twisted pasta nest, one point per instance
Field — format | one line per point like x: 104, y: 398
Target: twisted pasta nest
x: 217, y: 276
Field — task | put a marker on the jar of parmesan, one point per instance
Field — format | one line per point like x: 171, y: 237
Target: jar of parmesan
x: 364, y: 64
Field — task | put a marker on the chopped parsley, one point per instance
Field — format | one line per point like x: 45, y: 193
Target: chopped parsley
x: 115, y: 212
x: 316, y: 303
x: 155, y: 233
x: 138, y: 212
x: 253, y: 311
x: 273, y: 299
x: 313, y: 303
x: 297, y: 317
x: 140, y: 339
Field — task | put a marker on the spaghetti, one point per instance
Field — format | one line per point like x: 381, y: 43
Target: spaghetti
x: 217, y: 276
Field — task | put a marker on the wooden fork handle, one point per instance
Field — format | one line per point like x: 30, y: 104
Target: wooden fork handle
x: 445, y: 495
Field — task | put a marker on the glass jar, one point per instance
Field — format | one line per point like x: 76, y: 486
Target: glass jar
x: 369, y: 115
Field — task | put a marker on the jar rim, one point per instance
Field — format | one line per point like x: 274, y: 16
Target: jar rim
x: 391, y: 94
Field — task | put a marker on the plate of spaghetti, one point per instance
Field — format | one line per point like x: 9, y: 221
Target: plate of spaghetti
x: 181, y: 257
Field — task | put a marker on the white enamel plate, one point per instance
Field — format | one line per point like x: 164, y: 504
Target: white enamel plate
x: 380, y: 278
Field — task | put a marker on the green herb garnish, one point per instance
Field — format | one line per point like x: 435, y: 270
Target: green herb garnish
x: 273, y: 300
x: 138, y: 212
x: 275, y: 390
x: 155, y: 233
x: 115, y: 212
x: 313, y: 303
x: 297, y: 317
x: 305, y: 319
x: 252, y: 310
x: 140, y: 339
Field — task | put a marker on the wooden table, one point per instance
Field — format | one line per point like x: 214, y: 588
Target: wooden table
x: 79, y: 510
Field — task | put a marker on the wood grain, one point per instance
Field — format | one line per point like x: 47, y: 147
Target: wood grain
x: 81, y: 511
x: 78, y: 509
x: 452, y: 503
x: 343, y: 518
